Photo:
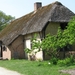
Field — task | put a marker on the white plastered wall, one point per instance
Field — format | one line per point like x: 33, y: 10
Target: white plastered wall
x: 7, y: 54
x: 38, y: 55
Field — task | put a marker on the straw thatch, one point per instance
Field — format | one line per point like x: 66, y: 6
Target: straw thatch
x: 35, y: 21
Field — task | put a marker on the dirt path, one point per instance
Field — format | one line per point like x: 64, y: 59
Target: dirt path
x: 4, y: 71
x: 71, y: 72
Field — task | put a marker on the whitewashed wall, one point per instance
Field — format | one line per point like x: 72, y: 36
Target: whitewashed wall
x: 38, y: 55
x: 7, y: 54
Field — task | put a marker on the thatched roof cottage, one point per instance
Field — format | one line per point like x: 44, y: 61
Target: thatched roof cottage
x: 43, y: 20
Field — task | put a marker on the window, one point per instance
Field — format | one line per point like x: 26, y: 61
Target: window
x: 67, y: 48
x: 4, y: 48
x: 63, y: 25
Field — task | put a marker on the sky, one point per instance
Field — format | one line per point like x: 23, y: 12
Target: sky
x: 19, y: 8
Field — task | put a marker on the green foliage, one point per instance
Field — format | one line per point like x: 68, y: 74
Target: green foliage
x: 61, y: 62
x: 72, y: 60
x: 69, y: 32
x: 61, y: 39
x: 2, y: 27
x: 36, y: 45
x: 27, y: 50
x: 54, y: 61
x: 4, y: 20
x: 66, y: 62
x: 51, y: 43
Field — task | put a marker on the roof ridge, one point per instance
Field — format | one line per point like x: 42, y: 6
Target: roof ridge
x: 57, y: 2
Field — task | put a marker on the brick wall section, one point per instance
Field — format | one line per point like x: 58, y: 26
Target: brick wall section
x: 17, y: 48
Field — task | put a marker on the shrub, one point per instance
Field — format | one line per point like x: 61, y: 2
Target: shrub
x: 67, y: 61
x: 72, y: 59
x: 54, y: 60
x: 61, y: 62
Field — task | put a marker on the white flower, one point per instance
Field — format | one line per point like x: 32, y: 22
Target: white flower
x: 49, y: 63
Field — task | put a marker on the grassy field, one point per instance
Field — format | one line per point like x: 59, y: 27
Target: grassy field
x: 33, y: 67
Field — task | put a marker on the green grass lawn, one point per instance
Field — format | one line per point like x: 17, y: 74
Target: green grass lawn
x: 33, y: 67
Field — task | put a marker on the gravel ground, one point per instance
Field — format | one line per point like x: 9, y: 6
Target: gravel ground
x: 71, y: 72
x: 4, y: 71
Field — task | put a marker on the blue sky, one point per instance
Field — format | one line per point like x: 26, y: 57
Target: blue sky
x: 18, y: 8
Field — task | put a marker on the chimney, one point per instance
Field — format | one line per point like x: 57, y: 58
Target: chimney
x: 37, y: 5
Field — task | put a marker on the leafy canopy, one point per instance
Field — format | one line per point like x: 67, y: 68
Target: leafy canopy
x: 5, y: 19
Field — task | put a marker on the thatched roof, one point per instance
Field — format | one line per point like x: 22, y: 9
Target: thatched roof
x: 35, y: 22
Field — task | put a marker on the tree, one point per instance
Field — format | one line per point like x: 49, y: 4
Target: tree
x: 53, y: 43
x: 69, y: 32
x: 5, y: 20
x: 62, y: 39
